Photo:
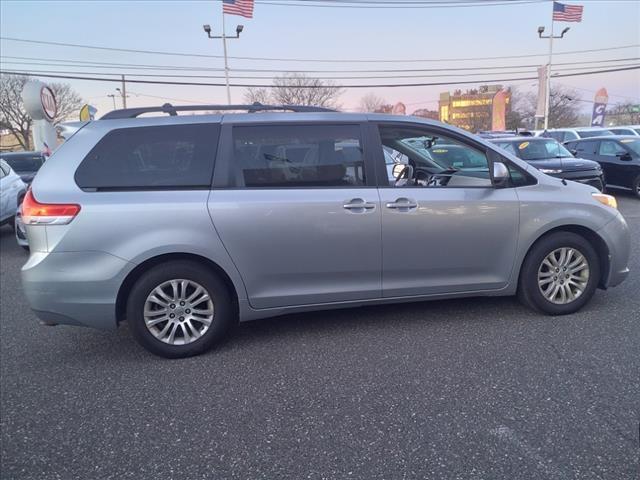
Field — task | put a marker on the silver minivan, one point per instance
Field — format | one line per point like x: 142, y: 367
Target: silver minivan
x: 183, y: 225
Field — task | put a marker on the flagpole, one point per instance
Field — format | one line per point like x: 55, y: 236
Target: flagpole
x: 226, y: 64
x: 547, y: 100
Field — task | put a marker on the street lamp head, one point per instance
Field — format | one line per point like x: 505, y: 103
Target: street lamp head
x: 207, y: 29
x: 564, y: 31
x: 239, y: 29
x: 540, y: 30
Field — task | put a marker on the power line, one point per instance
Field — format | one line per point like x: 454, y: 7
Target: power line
x: 90, y: 64
x: 410, y: 5
x: 184, y: 54
x: 368, y: 77
x: 249, y: 85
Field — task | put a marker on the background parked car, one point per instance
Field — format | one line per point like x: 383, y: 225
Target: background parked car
x: 633, y: 130
x: 619, y: 157
x: 12, y: 190
x: 566, y: 134
x: 25, y: 164
x: 552, y: 158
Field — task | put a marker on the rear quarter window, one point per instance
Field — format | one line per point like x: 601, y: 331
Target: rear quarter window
x: 162, y: 157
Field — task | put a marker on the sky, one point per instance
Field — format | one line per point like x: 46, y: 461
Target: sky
x: 276, y: 31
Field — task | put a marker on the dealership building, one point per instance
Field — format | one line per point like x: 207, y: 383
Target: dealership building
x: 476, y: 109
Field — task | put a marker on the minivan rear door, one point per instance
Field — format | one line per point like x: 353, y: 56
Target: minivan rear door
x: 297, y: 208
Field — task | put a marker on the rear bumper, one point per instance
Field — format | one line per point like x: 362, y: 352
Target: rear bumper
x: 617, y: 237
x: 74, y: 288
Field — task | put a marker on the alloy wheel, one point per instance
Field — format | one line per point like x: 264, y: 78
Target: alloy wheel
x: 563, y: 275
x: 178, y: 312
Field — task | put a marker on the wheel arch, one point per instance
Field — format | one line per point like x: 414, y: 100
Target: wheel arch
x: 140, y: 269
x: 596, y: 241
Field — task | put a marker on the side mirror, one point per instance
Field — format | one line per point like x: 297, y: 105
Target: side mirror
x: 573, y: 152
x: 500, y: 174
x: 397, y: 168
x: 626, y: 156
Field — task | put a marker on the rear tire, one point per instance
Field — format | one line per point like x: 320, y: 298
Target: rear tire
x: 199, y: 303
x: 560, y: 274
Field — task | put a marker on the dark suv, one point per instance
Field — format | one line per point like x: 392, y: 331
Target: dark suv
x: 25, y: 164
x: 619, y: 156
x: 552, y: 158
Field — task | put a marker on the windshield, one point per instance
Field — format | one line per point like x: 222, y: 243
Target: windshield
x: 541, y: 149
x: 632, y: 144
x: 593, y: 133
x: 24, y: 163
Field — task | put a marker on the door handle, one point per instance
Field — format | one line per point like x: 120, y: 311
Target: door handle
x: 358, y: 204
x: 404, y: 204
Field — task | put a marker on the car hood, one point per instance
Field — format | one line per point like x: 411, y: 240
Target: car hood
x: 567, y: 164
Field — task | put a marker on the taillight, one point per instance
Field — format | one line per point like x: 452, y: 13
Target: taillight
x: 36, y: 213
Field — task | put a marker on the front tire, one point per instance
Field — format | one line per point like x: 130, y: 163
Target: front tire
x: 636, y: 186
x: 560, y: 274
x: 179, y: 309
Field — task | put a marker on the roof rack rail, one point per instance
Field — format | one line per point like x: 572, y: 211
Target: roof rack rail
x: 173, y: 110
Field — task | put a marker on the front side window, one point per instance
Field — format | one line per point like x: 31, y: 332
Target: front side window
x: 588, y: 148
x: 277, y: 156
x: 432, y: 160
x: 609, y: 148
x: 632, y: 144
x: 168, y: 156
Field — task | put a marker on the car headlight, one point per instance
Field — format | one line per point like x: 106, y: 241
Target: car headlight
x: 550, y: 170
x: 607, y: 200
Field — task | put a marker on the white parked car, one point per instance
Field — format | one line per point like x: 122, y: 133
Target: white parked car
x: 12, y: 190
x: 626, y: 130
x: 566, y: 134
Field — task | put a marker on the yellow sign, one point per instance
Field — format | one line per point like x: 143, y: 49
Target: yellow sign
x: 84, y: 113
x: 523, y: 145
x: 87, y: 112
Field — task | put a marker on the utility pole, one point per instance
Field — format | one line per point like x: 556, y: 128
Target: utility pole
x: 239, y: 28
x: 124, y: 93
x: 547, y: 100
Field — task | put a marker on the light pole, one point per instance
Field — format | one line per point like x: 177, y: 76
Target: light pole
x: 113, y: 97
x: 123, y: 94
x: 547, y: 99
x: 239, y: 28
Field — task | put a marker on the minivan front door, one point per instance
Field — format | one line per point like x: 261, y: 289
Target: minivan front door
x: 449, y: 232
x: 295, y: 208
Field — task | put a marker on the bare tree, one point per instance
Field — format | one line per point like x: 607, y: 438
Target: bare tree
x: 371, y: 103
x: 564, y: 107
x: 257, y: 95
x: 13, y: 116
x: 68, y: 101
x: 297, y: 89
x: 624, y: 113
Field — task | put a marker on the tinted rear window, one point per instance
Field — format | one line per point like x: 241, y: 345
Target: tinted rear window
x: 298, y: 156
x: 171, y: 156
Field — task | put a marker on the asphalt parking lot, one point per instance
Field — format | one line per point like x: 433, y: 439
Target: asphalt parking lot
x: 465, y: 389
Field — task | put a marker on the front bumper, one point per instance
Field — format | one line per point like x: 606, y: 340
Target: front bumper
x: 594, y: 178
x: 74, y: 288
x: 618, y: 239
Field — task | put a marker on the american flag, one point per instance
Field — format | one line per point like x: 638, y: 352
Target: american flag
x: 244, y: 8
x: 567, y: 13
